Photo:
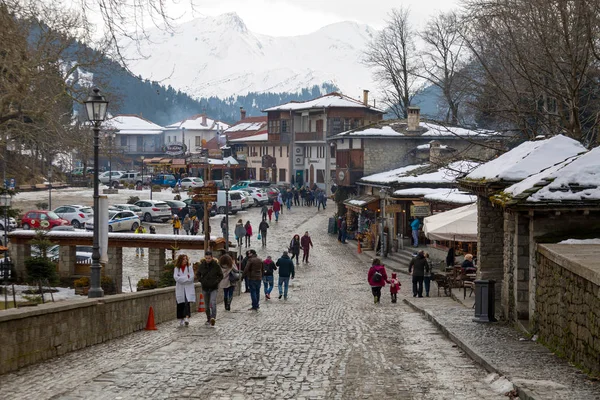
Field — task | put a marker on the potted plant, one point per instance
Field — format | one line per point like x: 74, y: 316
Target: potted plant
x: 82, y: 286
x: 146, y: 284
x: 156, y: 188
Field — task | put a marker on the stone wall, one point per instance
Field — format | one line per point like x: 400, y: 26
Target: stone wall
x: 568, y: 309
x: 490, y: 243
x: 32, y: 335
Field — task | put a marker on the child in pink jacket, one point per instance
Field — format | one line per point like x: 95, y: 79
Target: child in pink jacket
x: 394, y: 287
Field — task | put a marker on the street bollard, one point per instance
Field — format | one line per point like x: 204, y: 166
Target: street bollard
x: 485, y: 301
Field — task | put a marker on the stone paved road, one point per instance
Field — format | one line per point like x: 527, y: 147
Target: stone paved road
x: 328, y: 341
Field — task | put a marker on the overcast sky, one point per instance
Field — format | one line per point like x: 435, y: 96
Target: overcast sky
x: 296, y: 17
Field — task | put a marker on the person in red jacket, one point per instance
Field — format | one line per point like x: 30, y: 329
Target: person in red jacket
x: 306, y: 243
x: 248, y: 233
x: 377, y: 278
x: 276, y: 209
x: 270, y: 213
x: 394, y: 287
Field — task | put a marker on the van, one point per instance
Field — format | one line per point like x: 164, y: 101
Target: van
x: 164, y: 180
x: 235, y: 202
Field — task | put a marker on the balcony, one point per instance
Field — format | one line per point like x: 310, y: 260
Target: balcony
x: 309, y: 137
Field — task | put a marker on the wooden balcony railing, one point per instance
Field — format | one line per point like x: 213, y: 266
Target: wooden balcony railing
x: 309, y: 136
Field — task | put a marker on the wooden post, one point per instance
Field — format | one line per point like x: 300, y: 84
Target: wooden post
x: 206, y: 226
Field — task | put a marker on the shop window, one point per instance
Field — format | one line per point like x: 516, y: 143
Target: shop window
x: 320, y: 176
x: 282, y: 175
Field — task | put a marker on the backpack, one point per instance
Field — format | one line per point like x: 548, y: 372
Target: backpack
x: 377, y: 276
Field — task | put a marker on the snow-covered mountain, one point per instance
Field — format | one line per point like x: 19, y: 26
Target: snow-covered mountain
x: 219, y: 56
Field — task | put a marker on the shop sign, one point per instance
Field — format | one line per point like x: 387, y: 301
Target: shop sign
x: 393, y: 208
x: 420, y: 211
x: 175, y: 149
x: 197, y: 160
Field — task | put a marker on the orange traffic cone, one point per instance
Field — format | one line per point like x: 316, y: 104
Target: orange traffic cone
x: 150, y: 324
x: 201, y: 304
x: 359, y: 250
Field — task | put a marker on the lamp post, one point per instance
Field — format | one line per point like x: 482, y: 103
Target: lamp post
x: 142, y: 157
x: 382, y: 196
x: 227, y: 186
x: 5, y: 264
x: 95, y: 107
x: 110, y: 137
x: 50, y: 188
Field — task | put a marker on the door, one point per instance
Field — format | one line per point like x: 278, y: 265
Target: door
x: 300, y: 178
x: 320, y: 126
x: 311, y: 179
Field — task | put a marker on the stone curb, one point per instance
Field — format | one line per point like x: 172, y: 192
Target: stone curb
x: 524, y: 394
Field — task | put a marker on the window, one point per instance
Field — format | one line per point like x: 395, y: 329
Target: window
x: 282, y: 175
x: 198, y: 141
x: 355, y: 123
x: 320, y: 176
x: 123, y: 140
x: 284, y: 126
x: 274, y: 126
x: 261, y: 151
x: 287, y: 151
x: 350, y: 144
x: 273, y: 151
x: 347, y: 124
x: 332, y: 151
x: 263, y: 174
x: 336, y: 125
x: 304, y: 123
x: 280, y: 151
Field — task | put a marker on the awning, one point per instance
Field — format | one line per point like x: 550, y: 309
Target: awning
x: 178, y: 161
x: 458, y: 225
x: 357, y: 204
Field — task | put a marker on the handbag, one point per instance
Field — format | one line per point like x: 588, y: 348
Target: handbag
x: 234, y: 276
x: 259, y: 237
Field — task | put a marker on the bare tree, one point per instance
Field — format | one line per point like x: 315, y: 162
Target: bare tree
x: 444, y: 60
x: 392, y: 56
x: 538, y: 66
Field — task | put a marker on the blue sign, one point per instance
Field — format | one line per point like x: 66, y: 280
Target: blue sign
x: 10, y: 183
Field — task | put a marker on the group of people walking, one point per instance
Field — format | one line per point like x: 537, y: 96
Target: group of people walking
x: 190, y: 225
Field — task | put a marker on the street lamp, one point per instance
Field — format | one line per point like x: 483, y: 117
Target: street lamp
x: 382, y: 196
x: 110, y: 137
x: 50, y: 188
x: 142, y: 157
x: 95, y: 107
x: 227, y: 186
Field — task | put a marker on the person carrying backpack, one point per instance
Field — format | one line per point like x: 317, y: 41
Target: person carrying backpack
x: 377, y: 278
x: 269, y: 266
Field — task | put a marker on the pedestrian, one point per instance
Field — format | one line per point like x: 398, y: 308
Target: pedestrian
x: 254, y: 273
x: 140, y: 250
x: 415, y: 225
x: 450, y: 258
x: 286, y: 271
x: 306, y: 244
x: 417, y: 268
x: 239, y: 232
x: 377, y: 278
x: 269, y: 267
x: 280, y: 201
x: 295, y: 248
x: 243, y: 264
x: 210, y: 276
x: 248, y: 235
x: 394, y: 287
x: 152, y: 230
x: 339, y: 227
x: 344, y: 229
x: 276, y: 209
x: 320, y: 201
x: 176, y: 225
x: 224, y: 227
x: 428, y: 274
x: 262, y: 231
x: 296, y: 197
x: 195, y: 225
x: 288, y: 199
x: 468, y: 266
x: 185, y: 293
x: 187, y: 224
x: 264, y: 211
x: 270, y: 213
x: 230, y: 277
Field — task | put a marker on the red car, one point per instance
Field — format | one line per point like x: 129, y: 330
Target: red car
x: 42, y: 219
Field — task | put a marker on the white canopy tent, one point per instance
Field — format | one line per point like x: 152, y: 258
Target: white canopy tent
x: 458, y: 225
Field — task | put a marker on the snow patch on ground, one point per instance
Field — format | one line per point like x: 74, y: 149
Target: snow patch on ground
x: 580, y: 241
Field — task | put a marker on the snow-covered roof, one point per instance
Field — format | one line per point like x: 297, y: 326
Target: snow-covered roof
x: 132, y: 125
x: 326, y: 101
x: 443, y: 195
x: 575, y: 179
x: 527, y: 159
x: 446, y: 174
x: 428, y: 146
x: 261, y: 137
x: 224, y: 161
x: 399, y: 128
x: 391, y: 176
x: 248, y: 124
x: 195, y: 123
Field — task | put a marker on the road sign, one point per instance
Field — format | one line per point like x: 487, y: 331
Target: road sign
x: 205, y: 198
x: 206, y: 190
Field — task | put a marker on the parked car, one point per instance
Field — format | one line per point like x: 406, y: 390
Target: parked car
x: 75, y: 214
x: 119, y: 221
x: 104, y: 177
x: 164, y: 180
x: 259, y: 196
x: 82, y: 253
x: 178, y: 208
x: 247, y: 200
x: 131, y: 177
x: 12, y: 224
x: 42, y: 219
x: 130, y: 207
x: 190, y: 182
x: 235, y: 201
x: 154, y: 210
x: 250, y: 183
x: 79, y: 171
x: 199, y: 207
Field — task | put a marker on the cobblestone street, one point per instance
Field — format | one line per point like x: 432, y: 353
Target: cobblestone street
x: 328, y: 341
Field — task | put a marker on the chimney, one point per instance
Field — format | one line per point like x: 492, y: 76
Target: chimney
x: 414, y: 116
x: 366, y: 97
x: 204, y: 119
x: 435, y: 152
x: 242, y: 114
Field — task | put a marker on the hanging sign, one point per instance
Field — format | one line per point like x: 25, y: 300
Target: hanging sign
x: 175, y: 149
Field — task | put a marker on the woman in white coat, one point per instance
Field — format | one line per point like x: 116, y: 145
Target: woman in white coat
x: 183, y: 273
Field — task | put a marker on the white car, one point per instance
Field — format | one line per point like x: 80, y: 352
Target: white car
x: 119, y: 221
x: 259, y: 195
x: 77, y: 215
x: 187, y: 183
x: 103, y: 177
x: 248, y: 201
x: 154, y: 210
x: 131, y: 207
x: 12, y: 224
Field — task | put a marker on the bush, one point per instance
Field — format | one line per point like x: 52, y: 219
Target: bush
x: 40, y: 269
x: 107, y: 284
x: 146, y: 284
x: 156, y: 188
x: 166, y: 277
x: 82, y: 282
x: 133, y: 199
x: 42, y: 205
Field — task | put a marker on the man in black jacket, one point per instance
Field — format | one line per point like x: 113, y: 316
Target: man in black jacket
x: 417, y: 268
x: 209, y: 276
x: 286, y: 270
